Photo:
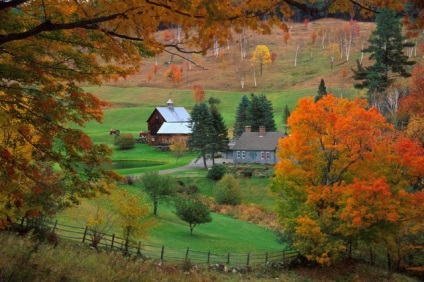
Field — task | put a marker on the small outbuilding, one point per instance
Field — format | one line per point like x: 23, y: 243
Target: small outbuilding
x: 256, y: 147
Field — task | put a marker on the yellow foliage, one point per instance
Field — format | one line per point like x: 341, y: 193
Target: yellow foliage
x: 261, y: 55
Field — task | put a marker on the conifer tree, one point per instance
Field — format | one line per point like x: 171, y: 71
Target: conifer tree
x: 322, y: 90
x: 242, y: 116
x: 220, y: 132
x: 261, y: 113
x: 203, y: 131
x: 286, y: 114
x: 386, y: 48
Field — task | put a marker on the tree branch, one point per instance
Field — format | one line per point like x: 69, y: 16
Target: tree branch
x: 363, y: 7
x: 49, y: 26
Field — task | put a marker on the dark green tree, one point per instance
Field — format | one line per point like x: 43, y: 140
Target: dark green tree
x: 220, y: 137
x: 203, y: 131
x: 159, y: 188
x: 286, y: 114
x: 193, y: 211
x: 322, y: 90
x: 386, y: 48
x: 242, y: 117
x: 261, y: 113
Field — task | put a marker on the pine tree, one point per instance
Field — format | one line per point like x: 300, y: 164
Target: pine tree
x: 286, y: 114
x: 386, y: 48
x: 322, y: 90
x: 220, y: 132
x: 203, y: 131
x: 242, y: 116
x: 261, y: 113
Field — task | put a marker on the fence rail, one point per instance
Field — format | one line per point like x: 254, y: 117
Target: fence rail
x: 112, y: 242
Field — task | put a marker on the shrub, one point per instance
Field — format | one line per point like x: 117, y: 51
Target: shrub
x: 228, y: 191
x: 217, y: 172
x: 125, y: 141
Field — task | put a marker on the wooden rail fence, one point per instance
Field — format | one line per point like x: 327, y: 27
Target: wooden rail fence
x: 112, y: 242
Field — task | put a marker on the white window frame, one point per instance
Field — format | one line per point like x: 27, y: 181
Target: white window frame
x: 243, y: 154
x: 262, y: 155
x: 238, y: 154
x: 268, y: 155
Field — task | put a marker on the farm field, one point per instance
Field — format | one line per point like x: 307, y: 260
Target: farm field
x: 283, y: 83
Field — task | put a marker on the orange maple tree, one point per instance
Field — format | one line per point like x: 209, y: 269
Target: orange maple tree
x: 346, y: 179
x: 198, y: 94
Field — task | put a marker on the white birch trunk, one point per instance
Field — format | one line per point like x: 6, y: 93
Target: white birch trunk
x: 179, y: 33
x: 254, y: 76
x: 324, y: 35
x: 295, y: 56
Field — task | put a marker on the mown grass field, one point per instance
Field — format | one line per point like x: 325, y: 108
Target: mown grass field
x: 223, y: 234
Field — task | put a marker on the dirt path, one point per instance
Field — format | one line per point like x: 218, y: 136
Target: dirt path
x: 195, y: 165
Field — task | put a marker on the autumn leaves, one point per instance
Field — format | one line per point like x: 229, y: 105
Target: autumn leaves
x: 345, y: 180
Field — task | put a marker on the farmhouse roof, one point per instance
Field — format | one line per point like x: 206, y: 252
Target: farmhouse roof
x: 175, y: 128
x: 252, y: 141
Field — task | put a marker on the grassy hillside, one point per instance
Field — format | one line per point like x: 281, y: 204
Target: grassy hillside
x: 282, y: 82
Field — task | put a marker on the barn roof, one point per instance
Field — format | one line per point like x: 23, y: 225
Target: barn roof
x: 175, y: 128
x: 251, y: 141
x: 174, y: 114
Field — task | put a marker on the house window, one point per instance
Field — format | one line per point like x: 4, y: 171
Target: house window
x: 238, y: 154
x: 268, y: 155
x: 243, y: 154
x: 262, y: 155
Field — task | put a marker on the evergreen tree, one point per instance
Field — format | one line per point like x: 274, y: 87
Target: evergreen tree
x: 203, y: 132
x: 286, y: 114
x: 386, y: 48
x: 242, y: 116
x: 322, y: 90
x: 261, y: 113
x: 220, y: 138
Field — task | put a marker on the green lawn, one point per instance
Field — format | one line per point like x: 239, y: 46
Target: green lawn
x: 254, y: 190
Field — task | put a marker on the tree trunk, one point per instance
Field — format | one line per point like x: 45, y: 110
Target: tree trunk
x: 155, y: 207
x: 295, y: 56
x: 204, y: 160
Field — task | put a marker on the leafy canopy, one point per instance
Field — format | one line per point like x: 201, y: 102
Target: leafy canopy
x: 345, y: 180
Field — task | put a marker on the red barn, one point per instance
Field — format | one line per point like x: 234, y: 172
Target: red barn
x: 166, y: 122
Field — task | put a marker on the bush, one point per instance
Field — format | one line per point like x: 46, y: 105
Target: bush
x: 228, y: 191
x: 217, y: 172
x: 125, y: 141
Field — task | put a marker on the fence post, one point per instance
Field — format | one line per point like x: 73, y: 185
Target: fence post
x: 138, y: 249
x: 228, y: 258
x: 187, y: 253
x: 113, y: 239
x: 54, y: 227
x: 266, y: 257
x: 209, y: 256
x: 162, y: 252
x: 248, y: 258
x: 85, y: 234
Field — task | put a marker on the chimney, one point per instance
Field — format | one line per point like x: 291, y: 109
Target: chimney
x: 261, y: 131
x: 247, y: 128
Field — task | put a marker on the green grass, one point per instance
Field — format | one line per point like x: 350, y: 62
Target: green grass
x: 254, y: 190
x: 224, y: 234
